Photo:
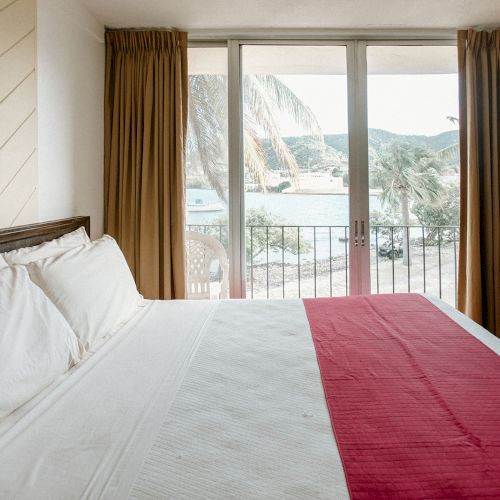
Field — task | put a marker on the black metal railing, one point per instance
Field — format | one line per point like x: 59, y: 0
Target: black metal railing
x: 432, y: 252
x: 291, y: 261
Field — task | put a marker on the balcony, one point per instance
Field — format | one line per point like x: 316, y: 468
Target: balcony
x: 312, y: 261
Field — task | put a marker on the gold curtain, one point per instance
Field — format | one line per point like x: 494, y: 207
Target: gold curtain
x: 479, y: 259
x: 145, y: 112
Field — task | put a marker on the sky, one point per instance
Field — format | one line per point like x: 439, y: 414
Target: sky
x: 404, y: 104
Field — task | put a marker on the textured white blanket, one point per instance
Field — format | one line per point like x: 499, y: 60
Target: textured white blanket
x: 250, y: 420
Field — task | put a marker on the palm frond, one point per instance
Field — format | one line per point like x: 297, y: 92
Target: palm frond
x: 265, y: 97
x: 255, y: 156
x: 259, y: 107
x: 450, y: 153
x: 288, y: 102
x: 404, y: 169
x: 207, y: 129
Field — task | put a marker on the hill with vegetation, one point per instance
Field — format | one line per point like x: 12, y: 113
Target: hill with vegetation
x: 311, y: 153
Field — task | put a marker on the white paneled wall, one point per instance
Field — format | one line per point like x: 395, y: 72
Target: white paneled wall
x: 18, y: 138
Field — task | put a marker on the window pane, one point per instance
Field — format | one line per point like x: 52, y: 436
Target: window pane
x: 296, y: 170
x: 414, y: 168
x: 207, y: 173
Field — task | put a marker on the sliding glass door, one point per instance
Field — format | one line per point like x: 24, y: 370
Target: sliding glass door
x: 296, y: 170
x: 413, y: 168
x: 292, y: 145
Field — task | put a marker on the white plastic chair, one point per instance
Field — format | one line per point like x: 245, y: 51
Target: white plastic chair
x: 202, y: 251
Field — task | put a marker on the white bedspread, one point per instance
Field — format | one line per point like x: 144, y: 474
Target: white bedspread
x: 188, y: 400
x: 83, y: 437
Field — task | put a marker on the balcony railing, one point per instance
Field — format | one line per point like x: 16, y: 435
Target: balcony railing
x: 313, y: 261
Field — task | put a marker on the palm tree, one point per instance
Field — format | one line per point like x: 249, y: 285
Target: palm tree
x: 265, y: 97
x: 207, y: 127
x: 450, y: 153
x: 406, y: 173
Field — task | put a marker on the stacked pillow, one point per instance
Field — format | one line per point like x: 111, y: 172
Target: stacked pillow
x: 37, y: 344
x: 57, y: 301
x: 51, y: 248
x: 92, y: 286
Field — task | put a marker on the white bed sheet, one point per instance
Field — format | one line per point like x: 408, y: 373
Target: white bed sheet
x: 81, y: 437
x: 118, y: 426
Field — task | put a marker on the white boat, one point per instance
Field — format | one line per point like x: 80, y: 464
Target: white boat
x: 198, y: 205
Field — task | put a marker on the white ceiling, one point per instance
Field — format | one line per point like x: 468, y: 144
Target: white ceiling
x: 306, y: 14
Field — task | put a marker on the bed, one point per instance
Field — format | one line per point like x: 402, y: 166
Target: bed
x: 208, y: 399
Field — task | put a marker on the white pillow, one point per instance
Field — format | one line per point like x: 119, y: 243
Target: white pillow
x: 3, y: 262
x: 51, y: 248
x: 36, y: 343
x: 92, y: 286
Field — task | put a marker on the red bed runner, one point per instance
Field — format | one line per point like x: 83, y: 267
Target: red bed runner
x: 414, y: 399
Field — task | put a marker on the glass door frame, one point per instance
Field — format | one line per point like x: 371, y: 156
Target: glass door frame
x: 446, y: 41
x: 359, y: 213
x: 357, y: 108
x: 237, y: 274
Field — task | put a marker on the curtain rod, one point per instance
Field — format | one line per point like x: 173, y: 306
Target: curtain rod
x: 305, y: 34
x: 322, y: 34
x: 313, y: 34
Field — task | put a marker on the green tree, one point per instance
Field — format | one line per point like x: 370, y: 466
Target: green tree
x: 406, y: 173
x: 266, y: 231
x: 385, y: 220
x: 265, y: 98
x: 444, y: 213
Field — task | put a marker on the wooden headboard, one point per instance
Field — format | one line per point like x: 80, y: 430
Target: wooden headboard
x: 12, y: 238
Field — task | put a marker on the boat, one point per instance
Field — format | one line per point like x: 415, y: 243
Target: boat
x: 199, y: 205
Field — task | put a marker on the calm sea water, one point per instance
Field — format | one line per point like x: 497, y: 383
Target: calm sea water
x: 296, y: 210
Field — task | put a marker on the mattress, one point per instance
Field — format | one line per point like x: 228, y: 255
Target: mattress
x: 190, y: 399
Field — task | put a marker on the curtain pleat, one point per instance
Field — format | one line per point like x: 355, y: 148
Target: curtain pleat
x: 146, y: 93
x: 479, y: 258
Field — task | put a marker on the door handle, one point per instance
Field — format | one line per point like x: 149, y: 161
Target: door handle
x: 362, y: 233
x: 355, y: 233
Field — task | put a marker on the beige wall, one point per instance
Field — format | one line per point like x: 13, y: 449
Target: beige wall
x: 51, y: 105
x: 18, y: 138
x: 70, y: 47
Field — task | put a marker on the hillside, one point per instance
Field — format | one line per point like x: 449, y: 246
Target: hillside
x: 306, y: 151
